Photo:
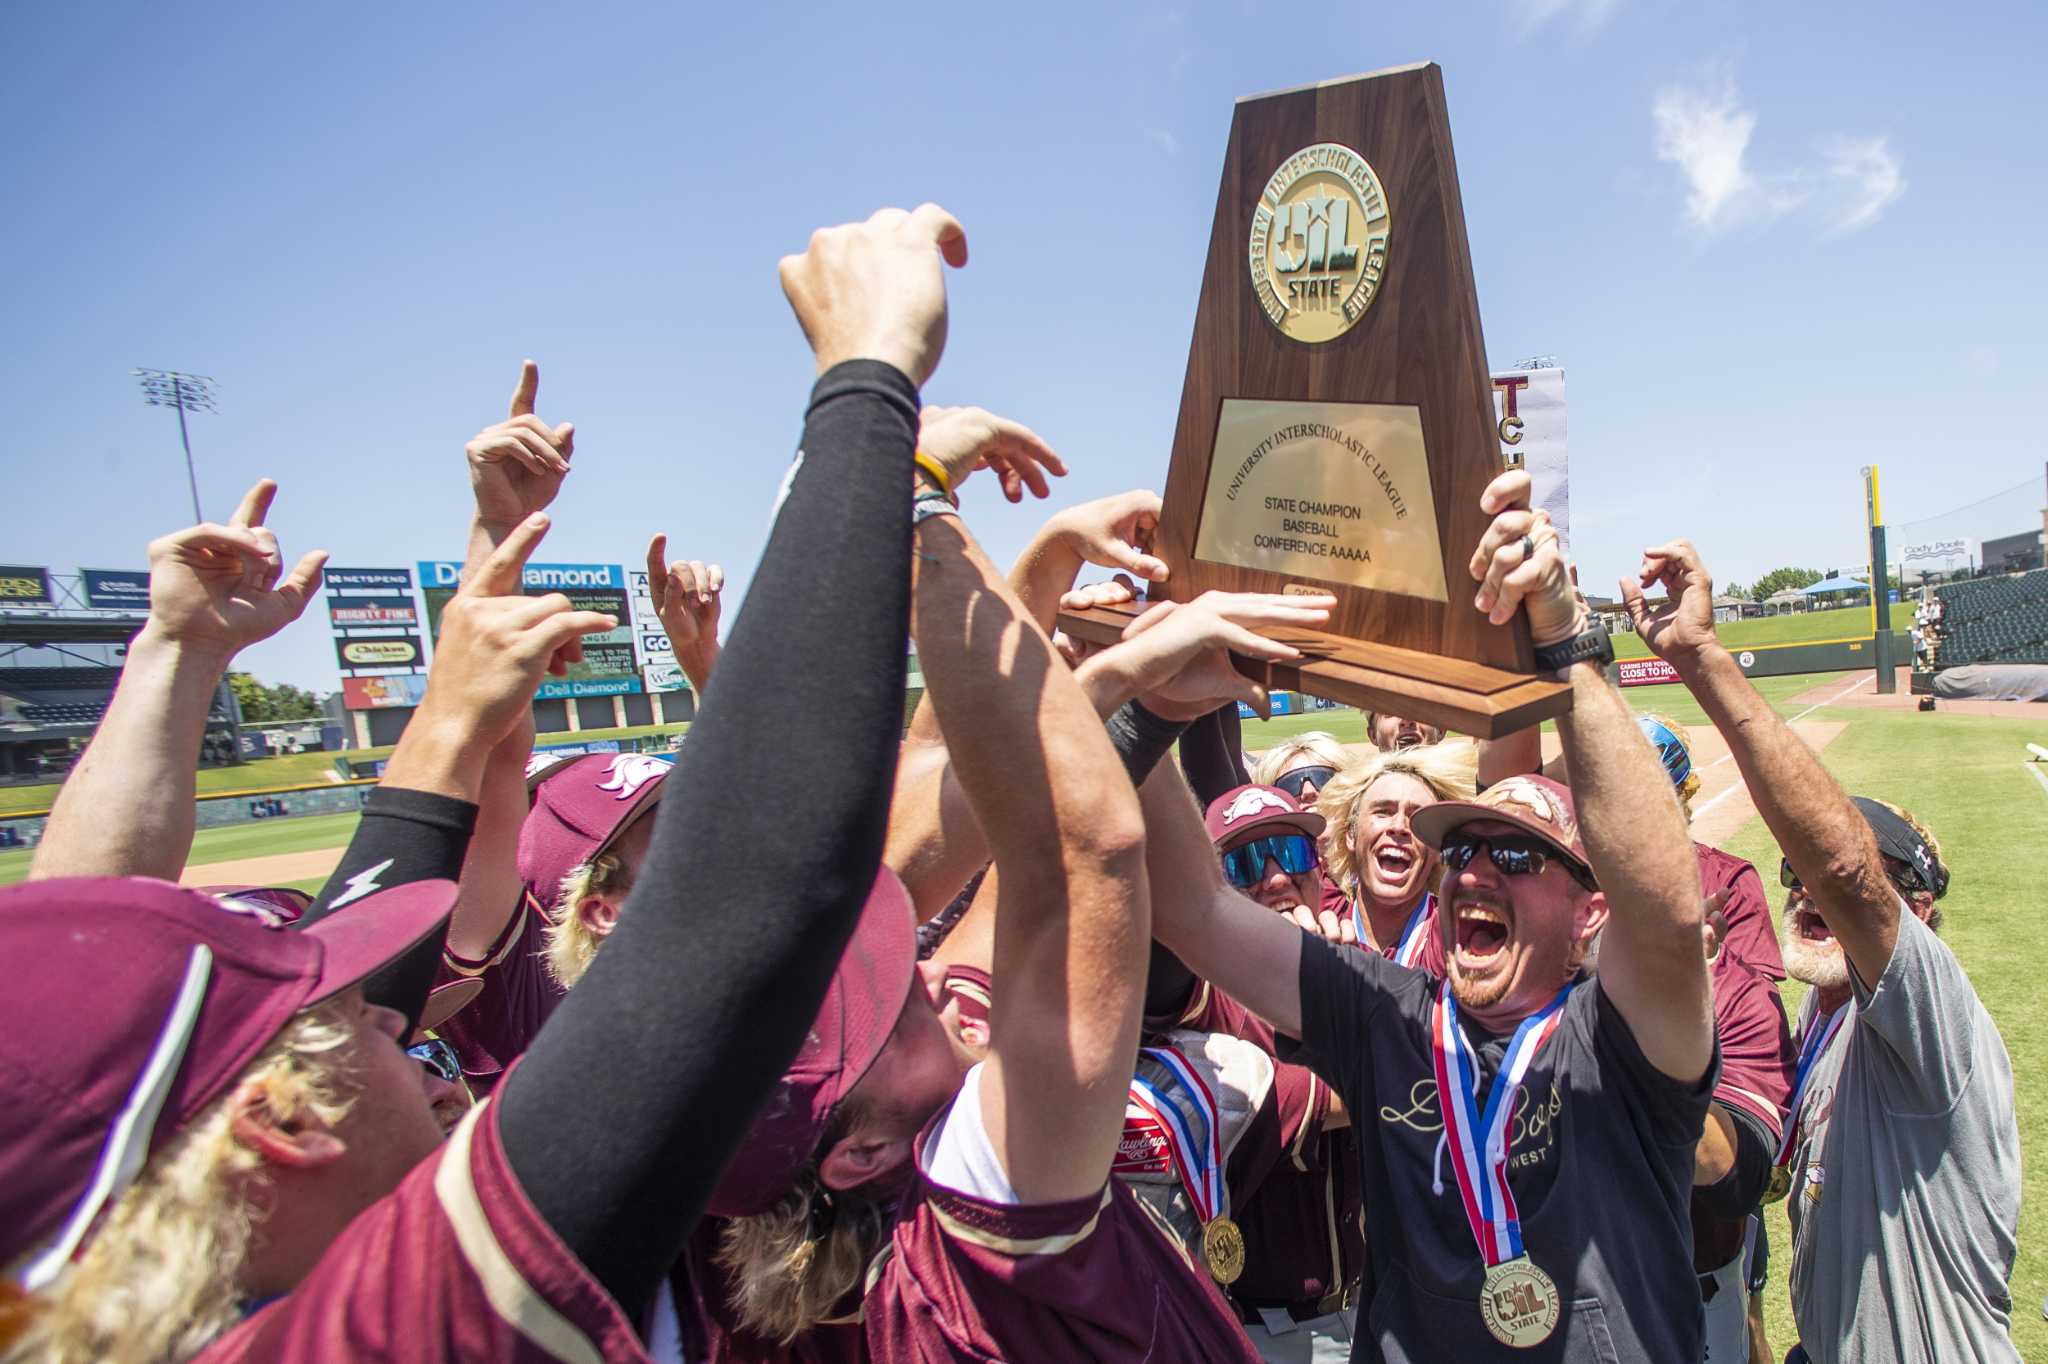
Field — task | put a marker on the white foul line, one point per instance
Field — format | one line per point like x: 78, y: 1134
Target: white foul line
x: 2037, y: 774
x: 1739, y: 785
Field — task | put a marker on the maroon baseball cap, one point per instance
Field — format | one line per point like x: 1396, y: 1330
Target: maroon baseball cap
x: 143, y: 1004
x: 1239, y: 812
x: 1536, y: 805
x: 579, y: 809
x: 861, y: 1007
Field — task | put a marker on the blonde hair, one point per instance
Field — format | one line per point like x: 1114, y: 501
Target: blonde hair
x: 162, y: 1277
x: 571, y: 944
x: 790, y: 1266
x: 1690, y: 787
x: 1319, y: 743
x: 1450, y: 770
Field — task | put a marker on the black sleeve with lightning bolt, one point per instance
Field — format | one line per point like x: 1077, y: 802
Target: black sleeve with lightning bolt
x: 405, y: 836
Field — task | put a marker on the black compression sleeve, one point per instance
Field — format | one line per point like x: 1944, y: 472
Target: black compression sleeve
x: 405, y: 836
x: 1141, y: 739
x: 1212, y: 754
x: 1737, y: 1193
x: 628, y: 1105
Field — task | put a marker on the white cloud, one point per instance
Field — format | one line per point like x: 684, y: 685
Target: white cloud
x: 1704, y: 129
x: 1865, y: 178
x: 1588, y: 15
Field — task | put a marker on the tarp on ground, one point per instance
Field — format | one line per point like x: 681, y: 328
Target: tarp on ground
x: 1993, y: 682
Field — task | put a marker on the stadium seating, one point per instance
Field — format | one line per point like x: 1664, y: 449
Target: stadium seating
x: 1994, y: 620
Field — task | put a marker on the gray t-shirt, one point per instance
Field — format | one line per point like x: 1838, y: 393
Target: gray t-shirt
x: 1905, y: 1201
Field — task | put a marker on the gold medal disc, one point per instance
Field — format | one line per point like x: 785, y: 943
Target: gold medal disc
x: 1223, y: 1248
x: 1519, y: 1303
x: 1780, y: 1185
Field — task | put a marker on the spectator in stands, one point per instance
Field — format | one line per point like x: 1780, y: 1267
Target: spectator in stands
x: 1531, y: 881
x: 1901, y: 1159
x: 1380, y: 875
x: 1302, y: 766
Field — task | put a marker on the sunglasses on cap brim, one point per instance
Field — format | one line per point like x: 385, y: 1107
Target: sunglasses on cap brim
x: 1300, y: 777
x: 1511, y: 855
x: 1245, y: 866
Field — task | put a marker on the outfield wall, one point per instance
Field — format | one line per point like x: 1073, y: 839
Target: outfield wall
x: 226, y: 808
x: 1768, y: 660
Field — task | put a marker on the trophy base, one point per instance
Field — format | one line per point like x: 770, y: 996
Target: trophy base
x: 1468, y: 698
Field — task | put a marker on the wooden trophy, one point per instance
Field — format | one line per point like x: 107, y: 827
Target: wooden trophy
x: 1336, y: 425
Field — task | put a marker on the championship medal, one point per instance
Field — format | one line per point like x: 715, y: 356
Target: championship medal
x: 1188, y: 1119
x: 1518, y: 1301
x: 1223, y: 1249
x: 1819, y: 1033
x: 1780, y: 1185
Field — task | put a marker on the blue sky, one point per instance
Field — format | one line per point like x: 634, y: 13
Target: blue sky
x: 1770, y: 244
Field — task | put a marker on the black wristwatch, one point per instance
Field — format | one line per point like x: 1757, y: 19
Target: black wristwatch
x: 1590, y: 646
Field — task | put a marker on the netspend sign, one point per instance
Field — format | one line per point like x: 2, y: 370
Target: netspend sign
x: 537, y: 577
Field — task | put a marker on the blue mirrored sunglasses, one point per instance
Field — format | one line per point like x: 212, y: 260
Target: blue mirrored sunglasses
x: 1245, y: 866
x: 438, y: 1057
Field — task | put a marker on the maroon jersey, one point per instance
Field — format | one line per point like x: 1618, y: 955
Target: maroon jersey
x: 1757, y: 1067
x: 1751, y: 935
x: 1429, y: 953
x: 1294, y: 1187
x: 453, y: 1265
x: 519, y: 994
x: 1090, y: 1278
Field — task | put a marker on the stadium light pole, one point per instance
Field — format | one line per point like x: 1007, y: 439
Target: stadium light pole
x: 187, y: 393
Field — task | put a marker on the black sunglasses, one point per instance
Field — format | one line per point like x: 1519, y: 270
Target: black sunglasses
x: 438, y: 1057
x: 1511, y: 856
x: 1303, y: 776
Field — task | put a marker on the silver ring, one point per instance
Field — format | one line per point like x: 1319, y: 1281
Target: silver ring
x: 1528, y: 548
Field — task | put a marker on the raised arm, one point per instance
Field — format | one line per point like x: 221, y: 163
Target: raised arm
x: 1063, y: 823
x: 1650, y: 960
x: 1822, y: 835
x: 1249, y: 952
x: 516, y: 468
x: 127, y: 808
x: 628, y: 1106
x: 686, y: 596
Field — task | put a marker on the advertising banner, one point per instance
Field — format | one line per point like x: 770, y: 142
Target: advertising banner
x: 650, y: 641
x: 589, y: 587
x: 372, y: 611
x: 114, y: 589
x: 665, y: 677
x: 21, y: 585
x: 1938, y: 556
x: 1646, y: 672
x: 383, y: 693
x: 379, y: 651
x: 369, y: 579
x: 1529, y: 406
x: 553, y: 690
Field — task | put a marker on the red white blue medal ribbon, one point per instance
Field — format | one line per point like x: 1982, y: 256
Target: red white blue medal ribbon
x: 1410, y: 945
x: 1194, y: 1137
x: 1478, y: 1137
x: 1819, y: 1032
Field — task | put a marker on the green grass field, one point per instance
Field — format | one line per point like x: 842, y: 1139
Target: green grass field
x: 1804, y: 627
x: 1963, y: 775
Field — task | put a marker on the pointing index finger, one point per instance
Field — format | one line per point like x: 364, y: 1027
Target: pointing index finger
x: 255, y: 504
x: 529, y: 388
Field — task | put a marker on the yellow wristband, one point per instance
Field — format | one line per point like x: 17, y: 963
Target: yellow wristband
x: 936, y: 470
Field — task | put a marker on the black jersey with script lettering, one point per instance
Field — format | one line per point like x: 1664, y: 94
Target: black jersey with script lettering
x: 1600, y: 1159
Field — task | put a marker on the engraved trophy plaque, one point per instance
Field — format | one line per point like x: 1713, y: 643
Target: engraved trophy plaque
x: 1336, y: 424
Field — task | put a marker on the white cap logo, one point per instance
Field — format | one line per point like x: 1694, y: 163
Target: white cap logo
x: 1250, y: 802
x: 631, y: 771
